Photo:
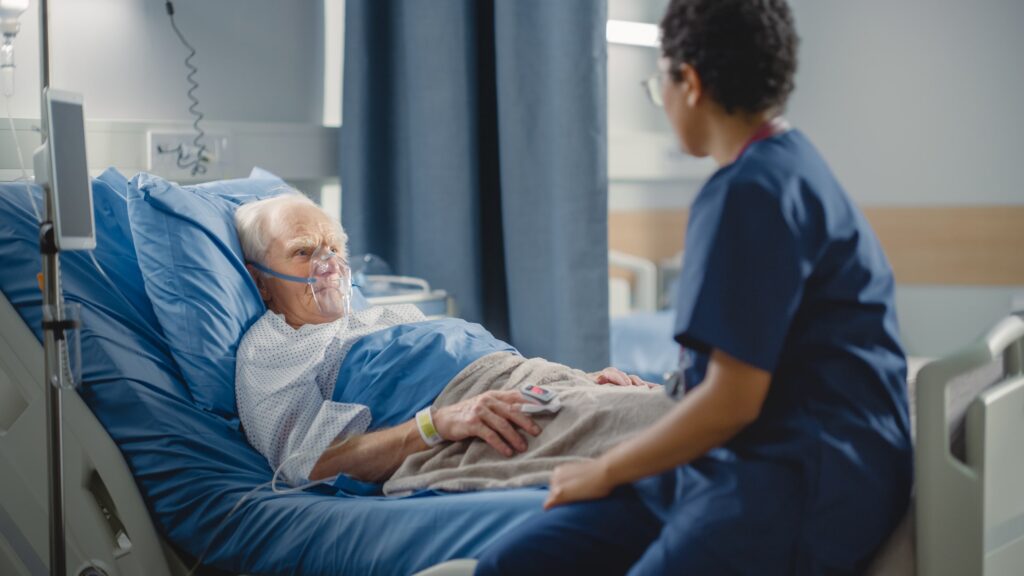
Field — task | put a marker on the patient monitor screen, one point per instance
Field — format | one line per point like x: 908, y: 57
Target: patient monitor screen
x: 74, y: 216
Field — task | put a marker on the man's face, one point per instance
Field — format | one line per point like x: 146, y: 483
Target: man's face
x: 297, y: 233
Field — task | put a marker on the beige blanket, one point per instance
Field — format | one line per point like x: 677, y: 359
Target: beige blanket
x: 593, y: 418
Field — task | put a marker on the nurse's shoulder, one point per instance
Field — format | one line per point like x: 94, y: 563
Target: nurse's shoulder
x: 775, y: 164
x: 781, y: 179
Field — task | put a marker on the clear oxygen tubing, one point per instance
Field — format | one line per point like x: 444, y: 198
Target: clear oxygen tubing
x: 329, y: 281
x: 272, y: 484
x: 21, y: 160
x: 111, y: 284
x: 7, y: 65
x: 277, y: 472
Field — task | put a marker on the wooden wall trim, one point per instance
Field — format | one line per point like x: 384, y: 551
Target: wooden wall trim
x: 943, y: 245
x: 654, y: 234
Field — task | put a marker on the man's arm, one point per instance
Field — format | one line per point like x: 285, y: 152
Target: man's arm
x: 370, y: 457
x: 374, y: 457
x: 729, y: 399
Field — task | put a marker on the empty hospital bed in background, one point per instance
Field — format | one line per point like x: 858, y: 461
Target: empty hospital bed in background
x: 381, y: 287
x: 640, y: 316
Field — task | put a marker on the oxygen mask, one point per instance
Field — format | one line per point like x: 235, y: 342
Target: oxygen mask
x: 329, y: 280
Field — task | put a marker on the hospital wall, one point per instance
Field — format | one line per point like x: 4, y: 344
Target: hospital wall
x: 915, y: 104
x: 260, y: 73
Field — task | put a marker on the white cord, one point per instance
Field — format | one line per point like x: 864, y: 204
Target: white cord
x: 92, y: 256
x: 273, y: 488
x: 273, y: 480
x: 216, y: 530
x: 21, y: 159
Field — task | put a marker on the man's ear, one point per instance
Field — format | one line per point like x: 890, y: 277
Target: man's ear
x: 261, y: 285
x: 693, y: 88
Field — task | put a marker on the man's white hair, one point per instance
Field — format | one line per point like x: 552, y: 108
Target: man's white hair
x: 255, y: 222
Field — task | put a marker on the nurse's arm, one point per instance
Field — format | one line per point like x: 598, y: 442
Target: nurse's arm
x: 729, y: 400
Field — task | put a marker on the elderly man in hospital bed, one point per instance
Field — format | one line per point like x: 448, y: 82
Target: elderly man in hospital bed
x: 382, y: 395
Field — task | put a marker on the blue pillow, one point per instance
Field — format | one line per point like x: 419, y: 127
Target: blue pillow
x: 115, y: 249
x: 195, y: 275
x: 114, y: 302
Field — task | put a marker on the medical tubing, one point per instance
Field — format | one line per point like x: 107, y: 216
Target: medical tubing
x: 277, y: 471
x: 21, y: 160
x: 273, y: 488
x: 216, y: 531
x: 107, y: 279
x: 198, y: 165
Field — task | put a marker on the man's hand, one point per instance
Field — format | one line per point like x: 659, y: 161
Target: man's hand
x: 618, y: 377
x: 490, y: 417
x: 587, y: 480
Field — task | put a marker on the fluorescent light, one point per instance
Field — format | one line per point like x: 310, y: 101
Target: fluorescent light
x: 330, y: 199
x: 334, y: 60
x: 632, y: 33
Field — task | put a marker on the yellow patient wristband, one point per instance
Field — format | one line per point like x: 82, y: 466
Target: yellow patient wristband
x: 425, y: 424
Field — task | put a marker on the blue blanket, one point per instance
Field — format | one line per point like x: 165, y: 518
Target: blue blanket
x: 402, y: 369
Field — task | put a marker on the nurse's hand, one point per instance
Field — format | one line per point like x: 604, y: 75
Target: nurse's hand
x: 618, y: 377
x: 492, y: 417
x: 587, y: 480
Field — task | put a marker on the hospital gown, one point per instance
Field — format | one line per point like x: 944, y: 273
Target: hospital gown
x: 285, y: 380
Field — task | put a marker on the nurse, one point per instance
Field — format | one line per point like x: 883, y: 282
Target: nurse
x: 789, y: 452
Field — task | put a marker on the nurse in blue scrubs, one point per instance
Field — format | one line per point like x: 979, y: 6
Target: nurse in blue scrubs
x: 789, y: 452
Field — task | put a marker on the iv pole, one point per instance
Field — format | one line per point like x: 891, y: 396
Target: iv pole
x: 53, y: 329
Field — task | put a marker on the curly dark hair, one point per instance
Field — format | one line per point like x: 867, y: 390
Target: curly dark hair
x: 743, y: 50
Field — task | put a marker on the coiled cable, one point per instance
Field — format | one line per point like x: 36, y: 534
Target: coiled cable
x: 195, y: 164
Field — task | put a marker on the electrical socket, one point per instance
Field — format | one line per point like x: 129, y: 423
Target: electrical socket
x: 173, y: 155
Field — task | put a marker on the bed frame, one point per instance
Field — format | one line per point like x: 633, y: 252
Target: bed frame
x: 107, y: 525
x: 970, y: 458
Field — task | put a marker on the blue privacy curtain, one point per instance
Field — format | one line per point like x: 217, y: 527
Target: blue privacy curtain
x: 473, y: 154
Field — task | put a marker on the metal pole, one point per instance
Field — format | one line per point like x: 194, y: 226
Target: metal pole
x: 54, y: 384
x: 44, y: 53
x: 53, y: 339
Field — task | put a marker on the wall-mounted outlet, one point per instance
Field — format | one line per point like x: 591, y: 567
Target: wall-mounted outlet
x: 176, y: 156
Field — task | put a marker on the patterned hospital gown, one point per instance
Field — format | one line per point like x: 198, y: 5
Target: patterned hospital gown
x: 284, y: 382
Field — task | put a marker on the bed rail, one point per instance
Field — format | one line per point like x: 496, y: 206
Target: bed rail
x: 970, y: 458
x: 107, y: 525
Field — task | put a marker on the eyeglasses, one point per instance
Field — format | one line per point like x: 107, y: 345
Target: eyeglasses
x: 653, y: 88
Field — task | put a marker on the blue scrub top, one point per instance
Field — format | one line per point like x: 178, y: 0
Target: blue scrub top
x: 783, y: 272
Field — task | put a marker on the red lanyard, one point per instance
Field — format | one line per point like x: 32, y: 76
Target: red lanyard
x: 772, y: 127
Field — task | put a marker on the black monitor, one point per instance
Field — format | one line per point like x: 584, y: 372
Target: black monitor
x: 68, y: 171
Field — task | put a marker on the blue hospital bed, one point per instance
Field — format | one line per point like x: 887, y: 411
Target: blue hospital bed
x: 191, y: 464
